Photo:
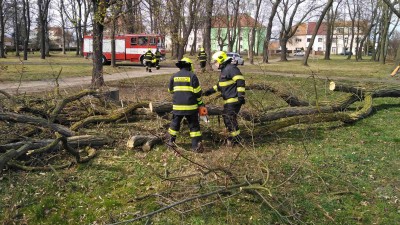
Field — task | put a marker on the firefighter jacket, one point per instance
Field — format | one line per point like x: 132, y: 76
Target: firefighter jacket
x: 186, y: 90
x: 231, y: 83
x: 158, y: 55
x: 202, y: 56
x: 148, y: 55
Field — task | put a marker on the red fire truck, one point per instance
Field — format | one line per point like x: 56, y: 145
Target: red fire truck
x: 128, y: 47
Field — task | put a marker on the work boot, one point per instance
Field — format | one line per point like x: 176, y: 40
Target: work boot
x: 147, y: 69
x: 157, y: 67
x: 171, y: 142
x: 199, y: 148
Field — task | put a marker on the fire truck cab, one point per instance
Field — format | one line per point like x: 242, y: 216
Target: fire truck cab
x: 128, y: 47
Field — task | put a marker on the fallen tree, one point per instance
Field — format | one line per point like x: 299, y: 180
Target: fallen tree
x: 297, y: 112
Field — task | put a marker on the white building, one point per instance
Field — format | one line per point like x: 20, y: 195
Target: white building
x: 340, y: 42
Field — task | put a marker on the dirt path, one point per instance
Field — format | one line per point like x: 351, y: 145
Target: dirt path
x: 84, y: 82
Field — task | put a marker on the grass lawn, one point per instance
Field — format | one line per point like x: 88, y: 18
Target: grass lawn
x: 326, y: 173
x: 14, y: 68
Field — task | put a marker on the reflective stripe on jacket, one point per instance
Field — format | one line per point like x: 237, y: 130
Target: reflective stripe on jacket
x: 186, y: 90
x: 202, y: 56
x: 148, y: 55
x: 231, y: 83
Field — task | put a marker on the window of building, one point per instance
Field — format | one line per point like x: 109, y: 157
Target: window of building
x: 319, y: 49
x: 319, y: 39
x: 298, y: 39
x: 340, y: 30
x: 308, y: 39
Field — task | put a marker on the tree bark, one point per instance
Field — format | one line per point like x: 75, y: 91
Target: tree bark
x: 315, y: 32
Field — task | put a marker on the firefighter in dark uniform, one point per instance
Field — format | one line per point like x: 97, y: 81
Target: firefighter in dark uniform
x: 186, y: 90
x: 158, y: 58
x: 148, y: 57
x: 202, y: 57
x: 232, y: 87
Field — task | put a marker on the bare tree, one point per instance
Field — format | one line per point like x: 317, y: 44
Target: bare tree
x: 353, y: 8
x: 321, y: 18
x: 371, y: 12
x: 288, y: 10
x: 43, y: 6
x: 2, y: 29
x: 253, y: 31
x: 330, y: 24
x: 62, y: 21
x: 207, y: 28
x: 274, y: 10
x: 16, y: 28
x: 99, y: 14
x: 232, y: 20
x: 383, y: 37
x: 175, y: 11
x: 26, y: 17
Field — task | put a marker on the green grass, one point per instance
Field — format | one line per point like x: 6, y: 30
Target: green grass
x: 329, y: 173
x: 15, y: 68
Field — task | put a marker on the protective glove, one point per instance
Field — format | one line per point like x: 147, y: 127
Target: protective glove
x: 242, y: 100
x: 208, y: 92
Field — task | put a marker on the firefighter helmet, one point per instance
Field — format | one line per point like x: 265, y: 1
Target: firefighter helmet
x: 185, y: 62
x: 220, y: 57
x: 202, y: 49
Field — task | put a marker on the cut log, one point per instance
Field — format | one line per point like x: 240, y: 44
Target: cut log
x: 143, y: 141
x: 19, y: 118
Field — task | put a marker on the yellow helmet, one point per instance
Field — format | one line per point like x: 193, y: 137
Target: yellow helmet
x: 201, y: 49
x: 185, y: 62
x: 149, y: 49
x: 219, y: 56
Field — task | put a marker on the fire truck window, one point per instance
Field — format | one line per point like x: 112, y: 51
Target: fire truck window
x: 152, y: 41
x: 142, y: 40
x: 133, y: 41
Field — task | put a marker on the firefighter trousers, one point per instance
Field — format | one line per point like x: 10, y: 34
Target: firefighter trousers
x: 202, y: 64
x: 194, y: 126
x: 229, y: 114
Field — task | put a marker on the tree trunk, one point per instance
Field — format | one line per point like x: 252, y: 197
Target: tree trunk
x: 269, y: 30
x: 16, y: 28
x: 2, y: 30
x: 321, y: 18
x: 99, y: 9
x: 207, y: 31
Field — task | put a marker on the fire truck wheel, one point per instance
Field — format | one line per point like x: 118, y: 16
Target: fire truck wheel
x: 104, y: 60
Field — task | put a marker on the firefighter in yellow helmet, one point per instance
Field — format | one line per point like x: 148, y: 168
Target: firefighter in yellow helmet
x: 148, y: 57
x: 157, y: 56
x: 186, y: 90
x: 231, y: 84
x: 202, y: 57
